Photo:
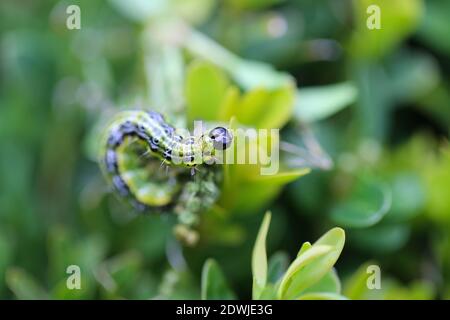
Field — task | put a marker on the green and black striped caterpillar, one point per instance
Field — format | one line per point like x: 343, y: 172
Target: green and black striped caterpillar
x: 136, y: 147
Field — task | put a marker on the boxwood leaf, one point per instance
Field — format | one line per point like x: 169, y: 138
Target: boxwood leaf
x: 206, y: 89
x: 312, y: 264
x: 259, y: 258
x: 367, y: 204
x: 214, y: 285
x: 317, y: 103
x: 322, y: 296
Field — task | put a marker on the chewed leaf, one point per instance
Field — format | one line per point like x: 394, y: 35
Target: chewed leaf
x: 214, y: 286
x: 367, y: 205
x: 259, y: 258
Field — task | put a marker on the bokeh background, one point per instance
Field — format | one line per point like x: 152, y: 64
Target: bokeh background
x: 377, y: 102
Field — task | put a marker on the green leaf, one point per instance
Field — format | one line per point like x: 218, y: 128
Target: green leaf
x: 6, y: 255
x: 435, y: 25
x: 206, y: 89
x: 418, y: 290
x: 355, y: 287
x: 437, y: 177
x: 278, y: 264
x: 178, y: 285
x: 413, y: 75
x: 249, y: 194
x: 259, y: 258
x: 330, y: 283
x: 251, y: 75
x: 265, y: 108
x: 317, y: 103
x: 252, y: 4
x: 312, y: 264
x: 214, y: 286
x: 382, y: 238
x: 140, y: 10
x: 65, y: 250
x: 408, y: 197
x: 23, y: 285
x: 248, y: 187
x: 305, y: 246
x: 120, y: 273
x: 322, y: 296
x: 399, y: 18
x: 367, y: 204
x: 296, y: 266
x: 269, y: 292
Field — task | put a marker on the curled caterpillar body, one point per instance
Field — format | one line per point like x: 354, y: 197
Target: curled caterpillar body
x: 136, y: 146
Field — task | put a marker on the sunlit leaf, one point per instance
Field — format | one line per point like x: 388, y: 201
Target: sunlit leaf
x: 313, y: 264
x: 330, y: 283
x: 259, y: 258
x: 322, y: 296
x: 263, y: 108
x: 206, y: 89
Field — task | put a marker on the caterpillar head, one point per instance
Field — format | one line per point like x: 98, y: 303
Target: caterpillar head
x: 215, y: 141
x: 221, y: 138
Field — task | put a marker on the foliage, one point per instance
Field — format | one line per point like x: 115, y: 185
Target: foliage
x: 377, y: 101
x: 309, y: 276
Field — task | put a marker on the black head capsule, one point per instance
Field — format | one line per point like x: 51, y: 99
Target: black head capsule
x: 221, y: 138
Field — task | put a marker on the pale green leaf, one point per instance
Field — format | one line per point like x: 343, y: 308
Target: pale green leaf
x: 312, y: 264
x: 317, y: 103
x: 206, y: 88
x: 330, y: 283
x: 322, y: 296
x: 259, y: 258
x: 24, y: 286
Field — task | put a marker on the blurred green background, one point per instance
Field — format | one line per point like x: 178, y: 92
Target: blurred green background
x: 377, y: 101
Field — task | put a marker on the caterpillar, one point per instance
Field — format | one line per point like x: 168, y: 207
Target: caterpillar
x: 138, y: 144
